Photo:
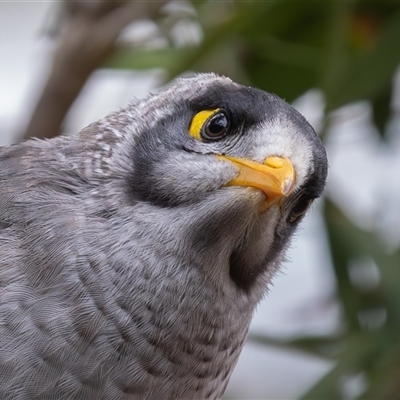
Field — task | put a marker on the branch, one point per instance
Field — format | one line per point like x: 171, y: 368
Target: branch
x: 87, y: 38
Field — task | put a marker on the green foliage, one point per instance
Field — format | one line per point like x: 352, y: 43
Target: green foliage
x: 349, y: 50
x: 370, y: 347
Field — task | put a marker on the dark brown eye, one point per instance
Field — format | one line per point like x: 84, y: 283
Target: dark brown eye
x: 300, y: 209
x: 216, y: 127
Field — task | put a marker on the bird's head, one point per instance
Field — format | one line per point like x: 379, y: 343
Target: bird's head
x: 235, y: 166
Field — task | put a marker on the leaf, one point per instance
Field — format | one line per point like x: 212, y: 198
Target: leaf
x: 384, y: 383
x: 322, y: 346
x: 345, y: 244
x: 146, y: 59
x: 369, y: 75
x: 373, y: 353
x: 360, y: 355
x: 381, y: 108
x: 244, y: 14
x: 289, y: 82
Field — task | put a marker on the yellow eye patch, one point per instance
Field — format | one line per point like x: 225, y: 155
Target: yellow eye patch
x: 199, y: 120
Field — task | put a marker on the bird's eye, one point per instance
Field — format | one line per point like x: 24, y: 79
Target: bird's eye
x: 300, y: 209
x: 216, y: 126
x: 209, y: 125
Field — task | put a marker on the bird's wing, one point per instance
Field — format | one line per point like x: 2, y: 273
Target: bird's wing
x: 38, y: 204
x: 40, y: 215
x: 32, y: 177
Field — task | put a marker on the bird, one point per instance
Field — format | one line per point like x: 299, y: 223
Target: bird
x: 134, y: 253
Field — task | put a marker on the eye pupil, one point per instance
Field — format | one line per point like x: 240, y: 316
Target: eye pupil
x: 216, y: 126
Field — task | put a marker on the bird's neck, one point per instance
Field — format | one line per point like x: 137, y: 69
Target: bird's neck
x: 187, y: 316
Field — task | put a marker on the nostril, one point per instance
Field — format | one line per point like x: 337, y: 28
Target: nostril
x: 275, y: 162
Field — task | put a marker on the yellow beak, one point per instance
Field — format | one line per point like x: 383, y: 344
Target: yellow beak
x: 275, y: 177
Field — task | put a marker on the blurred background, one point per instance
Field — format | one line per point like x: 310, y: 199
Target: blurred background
x: 329, y: 328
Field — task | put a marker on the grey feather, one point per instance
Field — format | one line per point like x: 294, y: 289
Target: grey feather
x: 127, y: 269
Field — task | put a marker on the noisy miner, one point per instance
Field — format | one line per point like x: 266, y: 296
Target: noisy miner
x: 133, y: 255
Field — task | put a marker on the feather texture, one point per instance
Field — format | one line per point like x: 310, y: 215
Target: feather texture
x: 127, y: 269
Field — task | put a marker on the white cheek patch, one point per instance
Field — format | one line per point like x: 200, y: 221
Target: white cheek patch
x: 280, y: 137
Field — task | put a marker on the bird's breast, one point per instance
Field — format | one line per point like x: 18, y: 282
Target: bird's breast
x: 174, y: 334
